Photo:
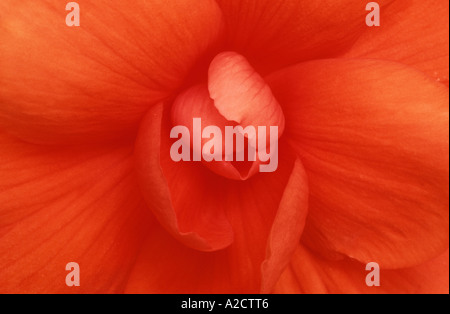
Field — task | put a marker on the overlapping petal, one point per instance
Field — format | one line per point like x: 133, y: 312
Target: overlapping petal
x: 179, y: 194
x: 240, y: 94
x: 62, y: 84
x: 374, y: 139
x: 273, y: 34
x: 62, y: 205
x: 204, y: 211
x: 309, y: 273
x: 412, y: 32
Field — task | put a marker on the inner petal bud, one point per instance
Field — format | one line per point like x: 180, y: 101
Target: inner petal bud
x: 238, y: 106
x: 241, y: 94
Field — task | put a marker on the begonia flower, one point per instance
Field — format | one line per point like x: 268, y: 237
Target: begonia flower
x: 86, y: 174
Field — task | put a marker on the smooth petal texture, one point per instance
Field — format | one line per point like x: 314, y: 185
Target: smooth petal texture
x: 62, y: 84
x: 267, y: 214
x: 273, y: 34
x: 311, y: 274
x: 61, y: 205
x: 412, y: 32
x: 374, y: 139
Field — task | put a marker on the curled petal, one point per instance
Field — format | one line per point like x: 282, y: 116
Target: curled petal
x: 195, y: 103
x: 240, y: 94
x: 177, y: 192
x: 287, y: 228
x: 267, y: 214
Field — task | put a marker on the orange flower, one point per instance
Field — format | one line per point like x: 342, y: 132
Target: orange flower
x: 86, y: 175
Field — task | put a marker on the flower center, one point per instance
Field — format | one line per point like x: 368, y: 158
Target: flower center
x: 232, y: 124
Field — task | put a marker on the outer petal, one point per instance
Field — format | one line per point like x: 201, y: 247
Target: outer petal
x: 272, y: 34
x: 263, y: 216
x: 412, y: 32
x: 64, y: 205
x: 312, y: 274
x: 94, y: 82
x: 374, y: 139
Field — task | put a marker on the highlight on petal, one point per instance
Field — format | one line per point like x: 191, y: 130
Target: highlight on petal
x: 273, y: 34
x: 61, y: 84
x: 413, y: 32
x: 236, y: 96
x: 196, y: 103
x: 374, y: 139
x: 310, y: 273
x: 240, y: 94
x: 68, y: 204
x: 266, y: 213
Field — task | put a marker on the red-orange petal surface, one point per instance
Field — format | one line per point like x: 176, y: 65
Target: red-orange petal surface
x: 61, y: 84
x: 374, y: 139
x: 68, y: 204
x: 241, y: 224
x: 273, y: 34
x: 312, y: 274
x: 412, y: 32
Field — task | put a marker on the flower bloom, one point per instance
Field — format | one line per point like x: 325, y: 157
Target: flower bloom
x: 86, y: 175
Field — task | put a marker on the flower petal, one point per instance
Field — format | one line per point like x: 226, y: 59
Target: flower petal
x: 240, y: 94
x: 62, y: 205
x: 287, y: 228
x: 273, y: 34
x: 62, y: 84
x: 176, y: 192
x: 374, y: 139
x: 413, y: 32
x: 195, y: 104
x: 311, y: 274
x: 263, y: 218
